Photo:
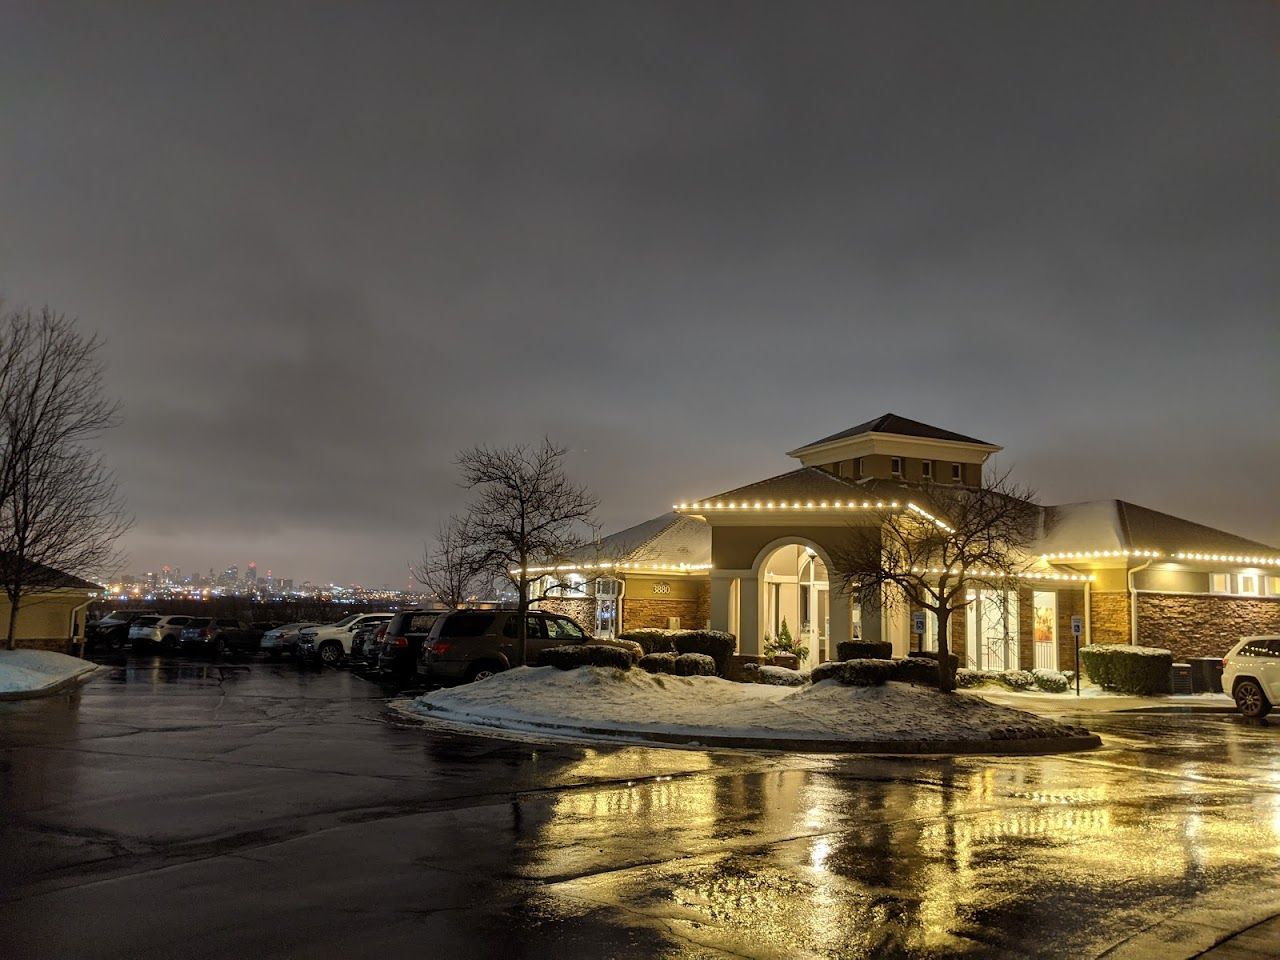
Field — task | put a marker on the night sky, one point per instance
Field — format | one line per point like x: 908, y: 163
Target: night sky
x: 329, y: 247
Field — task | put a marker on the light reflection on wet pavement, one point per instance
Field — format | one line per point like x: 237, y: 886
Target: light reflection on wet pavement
x: 259, y: 809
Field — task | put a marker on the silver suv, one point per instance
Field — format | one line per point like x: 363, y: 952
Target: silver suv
x: 468, y: 645
x: 1251, y: 674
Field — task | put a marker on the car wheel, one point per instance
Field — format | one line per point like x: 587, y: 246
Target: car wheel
x: 1250, y: 700
x: 330, y: 652
x: 482, y: 671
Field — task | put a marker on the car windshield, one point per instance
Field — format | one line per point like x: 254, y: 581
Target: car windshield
x: 200, y: 621
x: 466, y: 624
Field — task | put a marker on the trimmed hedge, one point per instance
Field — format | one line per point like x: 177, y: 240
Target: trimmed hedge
x: 968, y: 679
x: 1051, y: 681
x: 1124, y: 669
x: 857, y: 650
x: 827, y: 670
x: 651, y: 639
x: 867, y: 672
x: 782, y: 676
x: 695, y: 665
x: 585, y: 655
x: 664, y: 662
x: 933, y: 655
x: 917, y: 670
x: 1016, y: 679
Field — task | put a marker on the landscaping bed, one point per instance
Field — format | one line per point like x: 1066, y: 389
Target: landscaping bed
x: 634, y: 705
x: 34, y: 673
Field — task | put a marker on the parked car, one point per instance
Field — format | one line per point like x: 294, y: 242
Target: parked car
x: 331, y: 642
x: 219, y: 635
x: 283, y: 639
x: 402, y: 644
x: 366, y: 642
x: 112, y: 631
x: 1251, y: 674
x: 150, y: 632
x: 467, y: 645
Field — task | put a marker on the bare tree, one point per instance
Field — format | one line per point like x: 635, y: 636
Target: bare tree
x: 59, y: 507
x: 527, y: 514
x: 932, y: 554
x: 454, y: 569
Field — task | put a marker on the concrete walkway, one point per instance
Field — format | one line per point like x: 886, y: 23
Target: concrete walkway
x: 1259, y: 942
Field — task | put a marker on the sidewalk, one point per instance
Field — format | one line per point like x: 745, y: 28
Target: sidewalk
x: 1093, y: 700
x: 1259, y: 942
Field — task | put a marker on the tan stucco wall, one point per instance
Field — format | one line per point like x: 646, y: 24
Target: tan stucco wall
x: 736, y: 548
x: 1164, y: 580
x: 44, y: 621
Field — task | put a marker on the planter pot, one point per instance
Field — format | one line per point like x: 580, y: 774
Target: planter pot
x: 788, y: 660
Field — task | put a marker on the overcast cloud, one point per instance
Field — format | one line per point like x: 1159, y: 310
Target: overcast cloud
x: 329, y: 246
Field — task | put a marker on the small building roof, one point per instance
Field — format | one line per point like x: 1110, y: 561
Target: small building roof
x: 670, y: 538
x: 814, y: 483
x: 39, y: 575
x: 1120, y: 525
x: 891, y: 423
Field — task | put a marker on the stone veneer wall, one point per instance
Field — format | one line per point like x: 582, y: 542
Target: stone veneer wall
x: 581, y: 610
x: 1196, y: 625
x: 1070, y: 604
x: 694, y: 613
x: 1108, y: 617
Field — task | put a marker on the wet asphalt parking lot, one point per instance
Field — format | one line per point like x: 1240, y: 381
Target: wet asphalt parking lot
x: 258, y: 809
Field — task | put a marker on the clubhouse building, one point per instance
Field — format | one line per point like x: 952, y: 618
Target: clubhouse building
x: 749, y: 558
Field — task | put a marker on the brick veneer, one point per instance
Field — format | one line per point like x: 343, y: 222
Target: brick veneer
x: 1070, y: 604
x: 1195, y: 625
x: 653, y: 612
x: 1109, y: 617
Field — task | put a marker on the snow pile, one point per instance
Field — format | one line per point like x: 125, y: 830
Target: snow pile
x: 608, y: 702
x: 782, y: 676
x: 28, y: 671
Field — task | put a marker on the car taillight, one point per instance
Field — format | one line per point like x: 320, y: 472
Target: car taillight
x: 441, y: 646
x: 397, y: 641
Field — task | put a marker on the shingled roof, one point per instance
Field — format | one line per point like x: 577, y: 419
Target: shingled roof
x: 812, y: 483
x: 899, y: 426
x: 669, y: 538
x: 1120, y: 525
x: 37, y: 575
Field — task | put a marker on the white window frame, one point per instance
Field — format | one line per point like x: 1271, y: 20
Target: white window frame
x: 926, y: 470
x: 895, y: 471
x: 957, y: 473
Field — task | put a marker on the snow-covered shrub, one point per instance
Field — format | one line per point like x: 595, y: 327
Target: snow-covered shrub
x: 782, y: 677
x: 857, y: 650
x: 933, y: 655
x: 828, y: 670
x: 1126, y: 669
x: 1016, y: 679
x: 585, y: 655
x: 716, y: 644
x: 970, y: 678
x: 651, y: 639
x: 658, y: 662
x: 1050, y: 681
x: 867, y: 672
x: 695, y: 665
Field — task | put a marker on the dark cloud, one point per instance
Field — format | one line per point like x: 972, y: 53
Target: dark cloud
x: 331, y: 245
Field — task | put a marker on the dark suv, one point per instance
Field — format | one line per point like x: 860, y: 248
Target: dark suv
x: 218, y: 635
x: 402, y: 643
x: 468, y: 645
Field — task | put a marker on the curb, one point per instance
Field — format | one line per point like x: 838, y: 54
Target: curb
x: 989, y: 748
x: 56, y: 687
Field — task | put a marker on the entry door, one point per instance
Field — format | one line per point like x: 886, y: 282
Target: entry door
x: 1045, y: 619
x: 991, y: 631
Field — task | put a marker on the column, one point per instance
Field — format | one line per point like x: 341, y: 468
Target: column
x: 749, y: 616
x: 841, y: 619
x: 721, y: 594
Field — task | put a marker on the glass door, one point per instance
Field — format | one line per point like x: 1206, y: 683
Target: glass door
x: 991, y: 630
x: 1045, y: 619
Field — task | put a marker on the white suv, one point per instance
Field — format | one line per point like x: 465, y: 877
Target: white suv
x: 332, y: 642
x: 1251, y: 674
x: 156, y: 631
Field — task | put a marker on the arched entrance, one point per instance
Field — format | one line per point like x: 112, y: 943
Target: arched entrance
x: 796, y: 595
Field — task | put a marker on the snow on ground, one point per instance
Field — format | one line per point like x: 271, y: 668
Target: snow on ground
x: 26, y: 671
x: 604, y: 699
x: 1094, y: 699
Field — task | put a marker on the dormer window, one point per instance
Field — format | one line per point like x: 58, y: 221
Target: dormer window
x: 956, y: 474
x: 926, y: 470
x: 857, y: 468
x: 895, y: 467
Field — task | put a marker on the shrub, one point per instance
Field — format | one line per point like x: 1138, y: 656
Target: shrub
x: 585, y: 655
x: 716, y: 644
x: 1016, y: 679
x: 856, y: 650
x: 917, y: 670
x: 933, y: 655
x: 1050, y: 681
x: 967, y: 678
x: 658, y: 663
x: 867, y: 672
x: 695, y: 665
x: 651, y: 639
x: 1124, y: 669
x: 830, y: 670
x: 782, y: 677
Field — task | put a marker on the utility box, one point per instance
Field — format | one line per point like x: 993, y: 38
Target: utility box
x: 1206, y: 674
x: 1180, y: 678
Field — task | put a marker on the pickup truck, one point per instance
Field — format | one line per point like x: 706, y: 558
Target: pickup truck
x: 218, y: 635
